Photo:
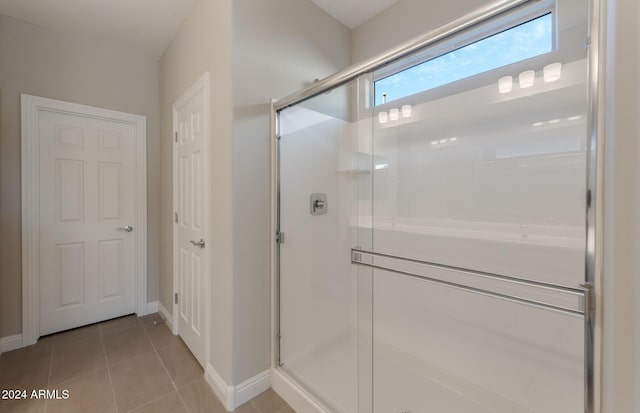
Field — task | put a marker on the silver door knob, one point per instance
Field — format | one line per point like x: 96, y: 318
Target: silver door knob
x: 126, y: 228
x: 199, y: 244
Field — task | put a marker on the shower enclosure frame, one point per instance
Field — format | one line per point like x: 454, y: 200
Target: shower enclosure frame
x: 594, y: 179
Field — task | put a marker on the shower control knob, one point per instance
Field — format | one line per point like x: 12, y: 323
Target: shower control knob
x: 318, y: 204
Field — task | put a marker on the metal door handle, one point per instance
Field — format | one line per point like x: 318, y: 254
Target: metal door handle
x: 126, y: 228
x: 199, y: 244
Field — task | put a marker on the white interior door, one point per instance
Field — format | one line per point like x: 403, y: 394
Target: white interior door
x: 191, y: 237
x: 86, y: 200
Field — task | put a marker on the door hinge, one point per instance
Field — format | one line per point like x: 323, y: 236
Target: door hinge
x: 278, y: 137
x: 175, y: 136
x: 279, y: 357
x: 175, y: 298
x: 279, y: 237
x: 175, y: 217
x: 587, y: 42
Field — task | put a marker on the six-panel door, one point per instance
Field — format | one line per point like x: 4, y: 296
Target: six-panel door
x: 87, y: 198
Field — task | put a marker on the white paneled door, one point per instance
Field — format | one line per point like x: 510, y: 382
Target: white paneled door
x: 87, y: 246
x: 191, y: 199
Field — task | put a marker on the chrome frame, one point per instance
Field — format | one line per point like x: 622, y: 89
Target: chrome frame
x: 594, y: 220
x: 277, y: 237
x: 595, y: 200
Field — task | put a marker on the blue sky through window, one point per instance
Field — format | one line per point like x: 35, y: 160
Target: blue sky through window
x: 527, y: 40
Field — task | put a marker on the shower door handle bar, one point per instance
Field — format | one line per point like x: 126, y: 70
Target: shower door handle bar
x: 357, y: 257
x: 356, y: 252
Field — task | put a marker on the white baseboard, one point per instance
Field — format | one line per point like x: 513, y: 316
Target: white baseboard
x: 294, y: 395
x: 10, y: 343
x: 150, y: 308
x: 249, y: 389
x: 166, y: 315
x: 234, y: 396
x: 219, y: 387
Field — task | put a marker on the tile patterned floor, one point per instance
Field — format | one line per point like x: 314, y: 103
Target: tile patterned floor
x: 128, y: 364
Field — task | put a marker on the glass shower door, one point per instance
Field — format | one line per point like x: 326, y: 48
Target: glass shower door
x: 325, y: 203
x: 479, y: 211
x: 432, y: 226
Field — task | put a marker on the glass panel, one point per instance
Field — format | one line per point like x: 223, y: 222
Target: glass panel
x: 492, y: 181
x: 439, y: 349
x: 326, y: 313
x: 487, y: 175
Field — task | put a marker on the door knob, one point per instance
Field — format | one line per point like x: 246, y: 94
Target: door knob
x: 126, y: 228
x: 199, y: 244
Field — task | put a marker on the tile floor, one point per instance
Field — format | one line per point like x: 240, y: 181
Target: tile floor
x: 128, y: 364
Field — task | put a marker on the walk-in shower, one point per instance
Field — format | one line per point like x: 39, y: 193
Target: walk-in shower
x: 435, y: 235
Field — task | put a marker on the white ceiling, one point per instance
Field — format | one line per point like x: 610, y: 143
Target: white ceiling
x: 352, y: 13
x: 147, y: 24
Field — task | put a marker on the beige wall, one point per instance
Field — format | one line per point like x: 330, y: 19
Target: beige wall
x: 404, y: 21
x: 203, y: 44
x: 40, y: 62
x: 279, y: 47
x: 621, y: 281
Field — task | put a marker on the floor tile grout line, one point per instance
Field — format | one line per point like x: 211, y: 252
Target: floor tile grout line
x: 106, y: 360
x: 134, y: 356
x: 53, y: 343
x: 135, y: 409
x: 175, y: 387
x: 161, y: 363
x: 81, y: 376
x: 190, y: 383
x: 129, y: 359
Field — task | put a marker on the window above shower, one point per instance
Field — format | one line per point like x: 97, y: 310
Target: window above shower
x: 519, y: 42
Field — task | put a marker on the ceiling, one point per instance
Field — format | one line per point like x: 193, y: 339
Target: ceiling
x: 352, y: 13
x: 146, y: 24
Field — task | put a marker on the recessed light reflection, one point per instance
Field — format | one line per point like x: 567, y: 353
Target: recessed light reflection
x: 382, y: 165
x: 452, y: 139
x: 538, y: 124
x: 575, y: 117
x: 554, y: 121
x: 505, y: 84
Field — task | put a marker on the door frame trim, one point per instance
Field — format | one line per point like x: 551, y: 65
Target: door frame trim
x: 30, y: 107
x: 204, y: 84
